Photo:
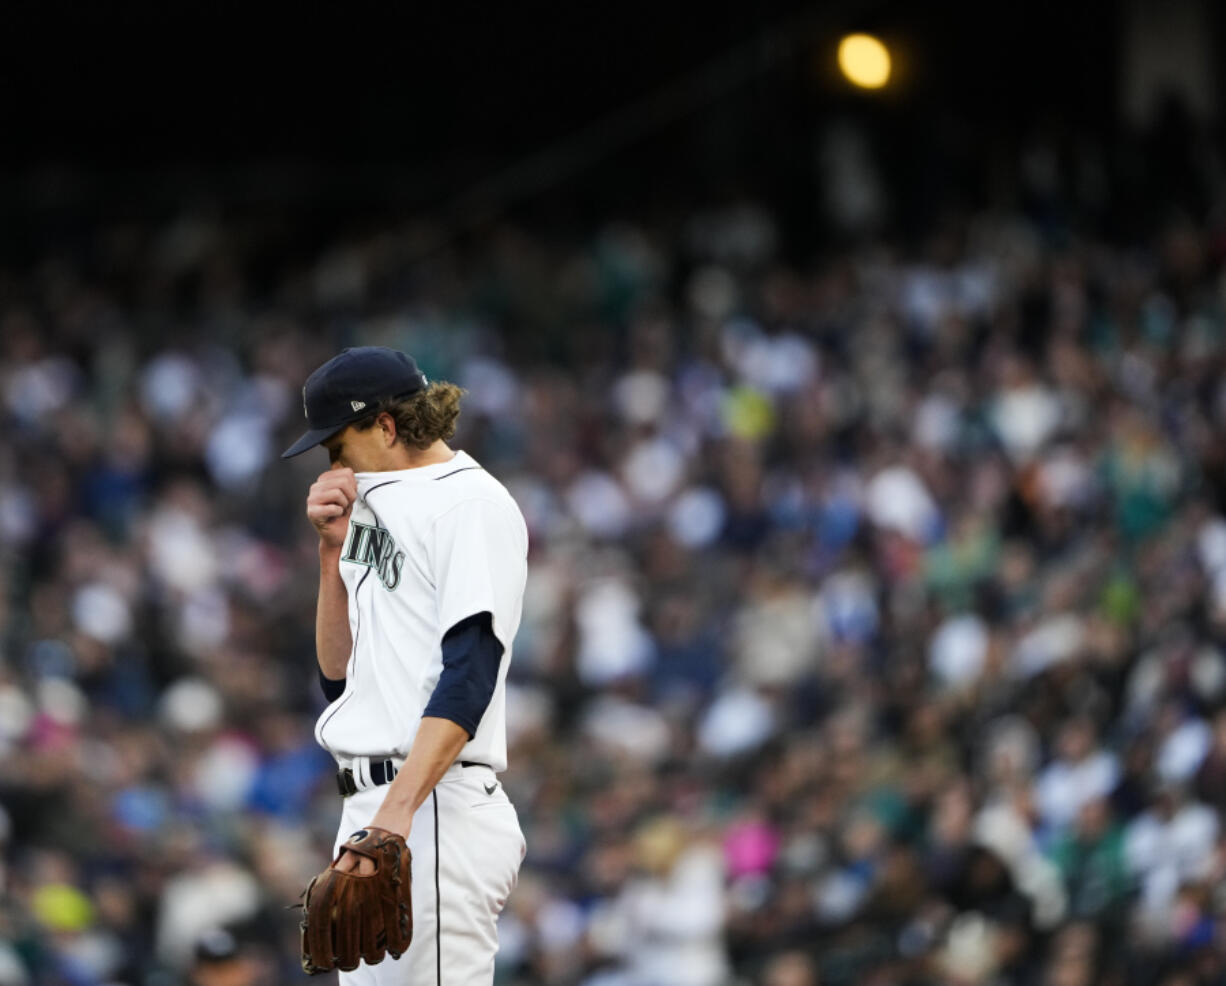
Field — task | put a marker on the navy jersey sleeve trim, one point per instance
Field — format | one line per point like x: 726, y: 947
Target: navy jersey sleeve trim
x: 471, y: 658
x: 333, y: 688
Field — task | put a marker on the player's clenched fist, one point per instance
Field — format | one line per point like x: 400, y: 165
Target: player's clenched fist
x: 328, y: 504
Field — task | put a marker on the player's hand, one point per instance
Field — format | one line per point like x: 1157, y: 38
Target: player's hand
x: 349, y: 863
x: 329, y: 503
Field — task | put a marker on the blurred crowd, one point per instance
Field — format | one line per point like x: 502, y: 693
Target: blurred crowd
x: 873, y: 633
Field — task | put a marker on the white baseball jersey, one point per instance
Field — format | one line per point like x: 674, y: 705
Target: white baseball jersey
x: 425, y: 549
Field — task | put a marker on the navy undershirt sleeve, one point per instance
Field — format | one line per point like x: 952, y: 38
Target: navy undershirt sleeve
x: 333, y: 688
x: 471, y: 658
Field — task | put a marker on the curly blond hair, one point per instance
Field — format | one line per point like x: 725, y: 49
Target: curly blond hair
x: 422, y: 418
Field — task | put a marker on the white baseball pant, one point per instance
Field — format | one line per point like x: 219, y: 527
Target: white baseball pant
x: 467, y: 848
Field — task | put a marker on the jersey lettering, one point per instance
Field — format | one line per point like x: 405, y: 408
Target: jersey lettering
x: 375, y: 548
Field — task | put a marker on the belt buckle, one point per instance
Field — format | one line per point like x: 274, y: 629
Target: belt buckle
x: 345, y: 783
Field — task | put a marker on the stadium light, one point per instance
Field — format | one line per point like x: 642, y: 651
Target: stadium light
x: 864, y: 61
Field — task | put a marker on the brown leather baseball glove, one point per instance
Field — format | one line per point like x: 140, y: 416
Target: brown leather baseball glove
x: 347, y: 916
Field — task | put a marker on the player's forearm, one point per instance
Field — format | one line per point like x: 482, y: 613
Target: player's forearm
x: 435, y: 748
x: 333, y: 642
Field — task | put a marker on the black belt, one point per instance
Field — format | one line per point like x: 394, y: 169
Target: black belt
x: 381, y: 772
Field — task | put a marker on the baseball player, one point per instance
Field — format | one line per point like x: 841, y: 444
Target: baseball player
x: 422, y: 567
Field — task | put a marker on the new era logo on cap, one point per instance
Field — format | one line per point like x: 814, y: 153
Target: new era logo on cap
x: 357, y: 405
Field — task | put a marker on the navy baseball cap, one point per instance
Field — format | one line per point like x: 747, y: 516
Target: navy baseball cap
x: 349, y: 385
